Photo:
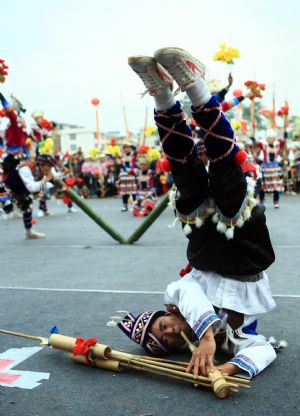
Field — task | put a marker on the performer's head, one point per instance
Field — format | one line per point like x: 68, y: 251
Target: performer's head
x: 127, y: 146
x: 38, y: 115
x: 271, y: 136
x: 158, y: 332
x: 45, y: 163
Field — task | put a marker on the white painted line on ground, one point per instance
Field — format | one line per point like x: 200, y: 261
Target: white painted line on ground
x: 125, y: 292
x: 87, y: 246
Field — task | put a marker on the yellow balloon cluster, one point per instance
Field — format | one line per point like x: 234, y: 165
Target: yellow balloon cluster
x: 236, y: 124
x: 150, y: 131
x: 153, y: 154
x: 46, y: 147
x: 94, y: 153
x: 226, y: 54
x: 113, y: 150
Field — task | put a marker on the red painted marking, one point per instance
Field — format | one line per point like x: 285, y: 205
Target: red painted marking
x: 193, y: 66
x: 163, y: 75
x: 8, y: 378
x: 5, y: 363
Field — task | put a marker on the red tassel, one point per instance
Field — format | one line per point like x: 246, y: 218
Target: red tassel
x: 240, y: 157
x: 82, y: 347
x: 186, y: 270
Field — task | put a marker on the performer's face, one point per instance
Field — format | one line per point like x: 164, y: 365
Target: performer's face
x: 127, y: 149
x: 45, y: 168
x: 167, y: 329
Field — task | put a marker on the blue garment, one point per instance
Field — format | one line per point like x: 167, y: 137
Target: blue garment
x: 250, y: 329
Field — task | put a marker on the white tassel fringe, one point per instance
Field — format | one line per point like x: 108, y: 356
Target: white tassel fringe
x: 198, y: 222
x: 221, y: 227
x: 187, y: 229
x: 229, y: 233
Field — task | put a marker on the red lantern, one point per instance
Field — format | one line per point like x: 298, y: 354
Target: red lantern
x: 237, y: 93
x: 95, y: 101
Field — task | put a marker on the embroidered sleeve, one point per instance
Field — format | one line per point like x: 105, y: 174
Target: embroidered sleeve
x: 28, y: 180
x: 193, y: 304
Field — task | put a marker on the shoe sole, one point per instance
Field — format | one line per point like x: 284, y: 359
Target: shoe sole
x: 141, y: 59
x: 177, y: 51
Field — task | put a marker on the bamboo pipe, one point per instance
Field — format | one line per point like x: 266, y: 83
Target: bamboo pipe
x: 220, y: 387
x: 168, y: 371
x: 153, y: 371
x: 110, y: 365
x: 175, y: 367
x: 233, y: 382
x: 44, y: 341
x: 62, y: 342
x: 184, y: 364
x: 162, y: 360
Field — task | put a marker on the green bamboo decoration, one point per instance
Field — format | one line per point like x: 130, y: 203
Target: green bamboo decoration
x: 155, y: 213
x: 89, y: 211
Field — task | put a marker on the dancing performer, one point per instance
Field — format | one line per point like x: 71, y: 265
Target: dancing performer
x: 19, y: 177
x: 15, y: 134
x: 229, y: 245
x: 146, y: 196
x: 127, y: 180
x: 272, y: 180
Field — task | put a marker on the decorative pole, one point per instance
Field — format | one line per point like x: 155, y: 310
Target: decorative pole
x: 142, y: 139
x: 252, y: 116
x: 96, y: 102
x: 125, y: 117
x: 273, y: 109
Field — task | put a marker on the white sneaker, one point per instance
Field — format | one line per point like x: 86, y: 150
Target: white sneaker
x: 155, y: 78
x: 185, y: 69
x: 48, y: 213
x: 40, y: 213
x: 72, y: 209
x: 32, y: 235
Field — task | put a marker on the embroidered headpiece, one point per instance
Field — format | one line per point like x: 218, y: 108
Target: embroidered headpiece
x: 45, y: 159
x: 138, y: 330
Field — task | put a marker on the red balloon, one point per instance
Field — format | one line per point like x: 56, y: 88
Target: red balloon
x: 237, y: 93
x: 95, y: 101
x: 165, y: 165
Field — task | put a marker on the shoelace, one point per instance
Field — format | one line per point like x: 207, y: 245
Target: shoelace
x: 180, y: 72
x: 150, y: 82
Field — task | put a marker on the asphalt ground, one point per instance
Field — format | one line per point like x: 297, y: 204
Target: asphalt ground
x: 78, y: 277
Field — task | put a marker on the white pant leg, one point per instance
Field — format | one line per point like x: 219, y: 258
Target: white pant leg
x: 252, y: 353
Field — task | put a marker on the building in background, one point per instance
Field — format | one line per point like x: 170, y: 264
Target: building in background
x: 69, y: 138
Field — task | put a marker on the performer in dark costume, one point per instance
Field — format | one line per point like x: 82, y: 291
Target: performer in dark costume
x: 19, y: 176
x: 229, y: 245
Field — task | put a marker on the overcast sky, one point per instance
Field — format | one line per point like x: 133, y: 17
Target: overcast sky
x: 62, y: 53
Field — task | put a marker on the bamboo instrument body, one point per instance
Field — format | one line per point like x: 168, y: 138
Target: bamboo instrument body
x: 103, y: 356
x: 220, y: 386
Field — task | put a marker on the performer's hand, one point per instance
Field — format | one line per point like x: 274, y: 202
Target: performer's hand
x: 173, y: 309
x: 48, y: 176
x: 230, y: 79
x: 203, y: 356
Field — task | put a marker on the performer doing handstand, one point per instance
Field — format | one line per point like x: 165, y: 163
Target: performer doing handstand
x: 229, y: 245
